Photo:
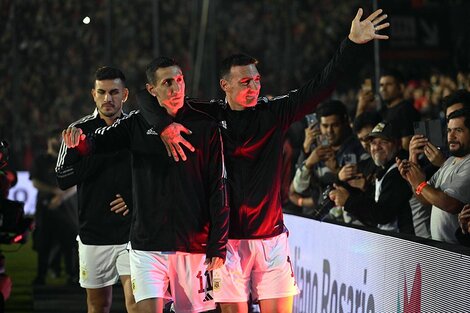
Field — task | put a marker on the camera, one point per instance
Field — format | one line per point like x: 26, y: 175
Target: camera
x: 14, y: 226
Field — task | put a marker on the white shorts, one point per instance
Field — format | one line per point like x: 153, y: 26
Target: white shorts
x: 261, y: 267
x: 185, y: 273
x: 101, y: 266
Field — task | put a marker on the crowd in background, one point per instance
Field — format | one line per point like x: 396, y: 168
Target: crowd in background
x: 49, y: 54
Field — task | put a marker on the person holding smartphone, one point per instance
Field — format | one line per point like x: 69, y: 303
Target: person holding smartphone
x: 388, y: 207
x: 335, y: 146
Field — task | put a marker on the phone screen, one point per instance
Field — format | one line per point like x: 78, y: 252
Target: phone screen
x: 311, y: 119
x: 349, y: 158
x: 367, y: 85
x: 435, y: 133
x: 420, y: 128
x: 432, y: 130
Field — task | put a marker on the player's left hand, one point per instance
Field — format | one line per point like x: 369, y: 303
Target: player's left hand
x: 365, y: 31
x: 118, y: 205
x: 214, y: 263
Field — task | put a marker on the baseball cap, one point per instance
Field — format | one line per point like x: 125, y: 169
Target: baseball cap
x: 385, y: 131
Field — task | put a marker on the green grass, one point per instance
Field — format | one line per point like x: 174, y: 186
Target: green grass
x: 20, y: 265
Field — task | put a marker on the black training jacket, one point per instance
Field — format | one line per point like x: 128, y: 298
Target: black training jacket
x: 253, y: 141
x: 178, y: 206
x: 98, y: 179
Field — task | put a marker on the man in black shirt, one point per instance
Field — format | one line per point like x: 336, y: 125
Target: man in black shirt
x: 55, y: 221
x: 103, y: 182
x: 398, y: 111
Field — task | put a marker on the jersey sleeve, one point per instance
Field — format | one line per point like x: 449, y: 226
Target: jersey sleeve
x: 219, y: 206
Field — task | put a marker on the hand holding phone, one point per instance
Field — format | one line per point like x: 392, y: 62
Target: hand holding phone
x: 432, y: 130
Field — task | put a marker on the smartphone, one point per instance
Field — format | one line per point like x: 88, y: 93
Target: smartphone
x: 367, y: 85
x: 420, y: 128
x: 349, y: 158
x: 432, y: 130
x: 323, y: 140
x: 436, y: 133
x: 312, y: 120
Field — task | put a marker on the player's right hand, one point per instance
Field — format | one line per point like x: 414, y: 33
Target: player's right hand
x: 72, y: 136
x: 171, y: 137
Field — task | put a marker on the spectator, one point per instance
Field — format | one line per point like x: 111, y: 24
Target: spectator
x: 336, y: 144
x: 446, y: 191
x: 397, y: 111
x: 388, y: 207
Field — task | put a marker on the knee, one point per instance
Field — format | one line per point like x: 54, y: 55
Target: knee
x: 98, y: 305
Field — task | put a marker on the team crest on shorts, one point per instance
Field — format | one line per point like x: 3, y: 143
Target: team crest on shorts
x: 133, y: 285
x: 216, y: 282
x: 83, y: 273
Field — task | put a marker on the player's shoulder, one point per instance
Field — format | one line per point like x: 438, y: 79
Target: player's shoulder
x: 87, y: 119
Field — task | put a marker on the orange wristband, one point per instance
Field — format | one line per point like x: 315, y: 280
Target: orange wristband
x: 420, y: 187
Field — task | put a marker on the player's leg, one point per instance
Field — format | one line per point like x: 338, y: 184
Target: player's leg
x: 149, y: 280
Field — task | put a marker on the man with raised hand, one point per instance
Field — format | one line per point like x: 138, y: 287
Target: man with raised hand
x: 253, y: 130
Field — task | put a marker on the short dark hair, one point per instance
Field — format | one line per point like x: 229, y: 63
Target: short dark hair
x: 368, y: 118
x: 459, y: 96
x: 107, y: 72
x: 398, y: 76
x: 333, y: 107
x: 465, y: 113
x: 238, y: 59
x: 155, y: 64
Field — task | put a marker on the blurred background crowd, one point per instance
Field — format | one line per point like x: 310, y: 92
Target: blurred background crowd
x: 49, y: 53
x: 50, y: 50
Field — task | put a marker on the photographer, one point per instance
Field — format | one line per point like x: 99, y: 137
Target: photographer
x: 56, y: 220
x: 14, y: 226
x: 333, y: 147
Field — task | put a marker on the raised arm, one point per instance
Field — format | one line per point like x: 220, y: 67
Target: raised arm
x: 345, y: 60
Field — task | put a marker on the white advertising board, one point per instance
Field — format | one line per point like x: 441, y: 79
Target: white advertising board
x: 24, y: 191
x: 346, y: 270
